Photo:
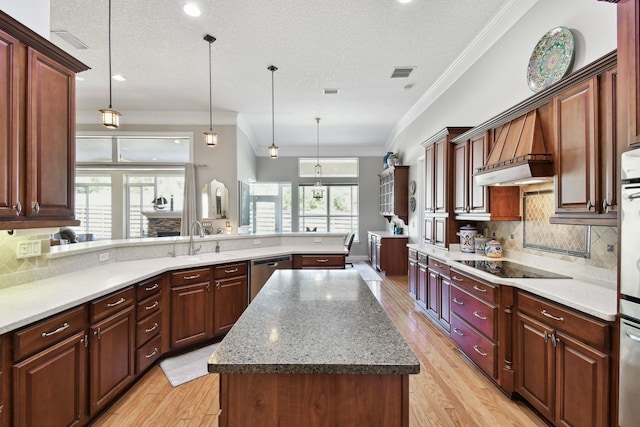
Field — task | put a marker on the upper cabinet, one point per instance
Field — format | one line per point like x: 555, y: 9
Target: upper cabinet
x: 629, y: 72
x: 394, y: 192
x: 37, y: 136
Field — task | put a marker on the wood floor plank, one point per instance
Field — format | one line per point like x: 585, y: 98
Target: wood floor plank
x: 448, y: 392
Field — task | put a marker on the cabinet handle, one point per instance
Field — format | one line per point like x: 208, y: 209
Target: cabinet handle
x: 458, y: 332
x: 551, y: 316
x: 152, y: 306
x: 233, y: 270
x: 632, y: 336
x: 479, y: 289
x: 35, y: 207
x: 322, y: 260
x: 97, y: 333
x: 467, y: 209
x: 195, y: 276
x: 546, y: 336
x: 481, y: 353
x: 153, y: 353
x: 554, y: 340
x: 605, y: 206
x: 457, y: 279
x: 589, y: 205
x: 475, y: 313
x: 218, y: 285
x: 64, y: 326
x: 208, y: 287
x: 458, y: 301
x: 113, y: 304
x: 154, y: 287
x: 633, y: 196
x: 85, y: 340
x: 18, y: 208
x: 151, y: 329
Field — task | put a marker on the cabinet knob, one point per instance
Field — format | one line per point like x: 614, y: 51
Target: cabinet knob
x: 35, y: 208
x: 18, y: 208
x: 605, y: 206
x: 589, y: 205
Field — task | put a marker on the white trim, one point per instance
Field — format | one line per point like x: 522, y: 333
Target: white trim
x: 506, y: 18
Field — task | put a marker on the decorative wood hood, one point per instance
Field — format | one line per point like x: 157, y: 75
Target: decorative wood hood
x: 519, y: 153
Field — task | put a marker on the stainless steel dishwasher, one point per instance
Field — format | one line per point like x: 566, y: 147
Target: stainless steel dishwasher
x: 262, y: 269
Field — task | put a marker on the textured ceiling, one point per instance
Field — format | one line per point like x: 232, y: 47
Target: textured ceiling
x: 352, y: 45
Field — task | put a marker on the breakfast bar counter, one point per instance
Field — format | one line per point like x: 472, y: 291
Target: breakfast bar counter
x: 314, y: 348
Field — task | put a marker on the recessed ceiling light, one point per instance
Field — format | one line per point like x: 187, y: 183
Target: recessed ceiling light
x: 192, y: 9
x: 79, y: 79
x: 71, y: 39
x: 118, y: 77
x: 404, y: 1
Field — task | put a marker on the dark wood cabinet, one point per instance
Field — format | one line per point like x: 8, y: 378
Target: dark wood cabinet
x: 111, y: 347
x: 49, y: 373
x: 438, y: 288
x: 608, y: 137
x: 4, y: 382
x: 629, y: 72
x: 394, y: 192
x: 440, y: 224
x: 563, y: 363
x: 192, y: 307
x: 413, y: 272
x: 151, y: 318
x: 423, y: 281
x: 37, y: 115
x: 231, y: 295
x: 390, y: 253
x: 319, y: 261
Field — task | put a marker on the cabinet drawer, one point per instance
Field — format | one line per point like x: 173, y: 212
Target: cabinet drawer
x: 191, y: 276
x: 148, y: 328
x: 322, y: 261
x: 413, y: 254
x: 422, y: 258
x: 590, y: 331
x: 477, y: 313
x: 111, y: 304
x: 475, y: 346
x: 439, y: 266
x: 230, y: 270
x: 48, y: 332
x: 481, y: 290
x: 148, y: 353
x: 148, y: 287
x: 149, y: 306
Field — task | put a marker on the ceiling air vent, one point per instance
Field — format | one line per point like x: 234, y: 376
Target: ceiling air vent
x: 330, y: 91
x: 71, y: 39
x: 401, y: 72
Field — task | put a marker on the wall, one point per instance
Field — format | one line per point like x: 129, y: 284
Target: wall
x: 247, y: 162
x: 285, y: 169
x: 35, y: 14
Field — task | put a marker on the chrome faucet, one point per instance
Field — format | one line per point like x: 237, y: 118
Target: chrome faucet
x: 192, y: 249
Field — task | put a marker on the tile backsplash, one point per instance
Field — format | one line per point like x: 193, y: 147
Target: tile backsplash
x: 9, y: 262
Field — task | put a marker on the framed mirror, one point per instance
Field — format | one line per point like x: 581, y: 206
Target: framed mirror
x: 215, y: 200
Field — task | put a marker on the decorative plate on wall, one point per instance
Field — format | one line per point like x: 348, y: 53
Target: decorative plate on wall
x: 551, y: 59
x: 412, y: 204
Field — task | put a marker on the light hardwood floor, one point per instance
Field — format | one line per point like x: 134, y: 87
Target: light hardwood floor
x: 449, y: 391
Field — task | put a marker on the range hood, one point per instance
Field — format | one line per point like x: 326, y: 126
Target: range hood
x: 519, y: 155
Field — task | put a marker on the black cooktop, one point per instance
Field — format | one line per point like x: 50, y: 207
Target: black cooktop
x: 510, y: 269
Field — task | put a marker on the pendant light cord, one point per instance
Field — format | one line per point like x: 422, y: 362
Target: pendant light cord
x: 318, y: 145
x: 110, y: 106
x: 210, y: 93
x: 273, y: 120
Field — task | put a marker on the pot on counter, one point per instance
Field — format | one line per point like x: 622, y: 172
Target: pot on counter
x: 467, y: 238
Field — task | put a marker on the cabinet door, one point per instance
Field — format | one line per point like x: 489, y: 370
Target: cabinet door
x: 608, y: 139
x: 430, y: 179
x: 576, y: 156
x: 230, y: 301
x: 444, y: 315
x: 50, y: 388
x: 441, y: 175
x: 461, y: 178
x: 9, y: 126
x: 433, y: 295
x: 536, y: 376
x: 629, y: 66
x: 191, y: 314
x: 429, y: 230
x: 440, y: 232
x: 112, y: 357
x: 423, y: 283
x: 378, y: 262
x: 478, y: 152
x: 413, y: 277
x: 582, y: 382
x: 50, y: 138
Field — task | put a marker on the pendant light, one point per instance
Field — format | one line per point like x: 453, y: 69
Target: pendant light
x: 273, y: 148
x: 318, y: 190
x: 110, y: 117
x: 210, y: 137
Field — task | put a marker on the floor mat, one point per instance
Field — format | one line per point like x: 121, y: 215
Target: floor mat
x: 188, y: 366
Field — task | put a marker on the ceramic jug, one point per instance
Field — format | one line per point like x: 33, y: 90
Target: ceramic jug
x: 467, y: 238
x: 493, y: 249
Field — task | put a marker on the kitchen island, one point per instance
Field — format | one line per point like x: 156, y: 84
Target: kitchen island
x: 314, y: 348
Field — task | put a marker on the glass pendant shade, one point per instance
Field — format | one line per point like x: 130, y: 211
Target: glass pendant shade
x: 211, y: 138
x: 110, y: 118
x: 273, y: 151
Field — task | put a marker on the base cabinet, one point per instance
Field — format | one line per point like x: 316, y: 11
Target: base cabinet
x: 563, y: 363
x: 191, y: 307
x: 413, y: 272
x: 438, y: 288
x: 389, y: 253
x: 318, y: 261
x: 231, y: 295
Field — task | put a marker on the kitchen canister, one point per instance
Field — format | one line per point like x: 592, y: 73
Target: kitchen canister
x: 493, y: 249
x: 479, y: 243
x: 467, y: 238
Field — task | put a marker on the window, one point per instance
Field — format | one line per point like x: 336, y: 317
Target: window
x: 331, y: 168
x: 143, y: 191
x: 270, y: 207
x: 337, y: 211
x: 93, y: 206
x: 132, y: 149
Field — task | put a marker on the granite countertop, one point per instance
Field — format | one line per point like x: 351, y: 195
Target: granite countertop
x: 388, y: 234
x: 314, y: 322
x: 27, y: 303
x: 591, y: 297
